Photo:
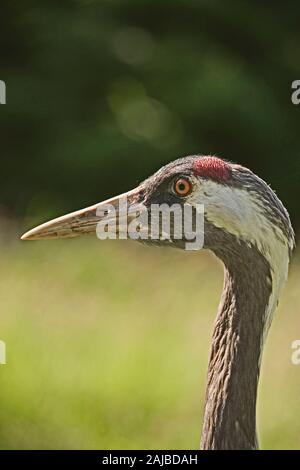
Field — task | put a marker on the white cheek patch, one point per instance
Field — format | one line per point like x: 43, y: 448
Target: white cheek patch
x: 238, y: 212
x: 242, y: 214
x: 228, y: 208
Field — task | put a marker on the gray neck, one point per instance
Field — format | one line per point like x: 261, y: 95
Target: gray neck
x: 234, y: 365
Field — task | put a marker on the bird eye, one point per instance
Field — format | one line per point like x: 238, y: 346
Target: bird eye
x: 182, y: 187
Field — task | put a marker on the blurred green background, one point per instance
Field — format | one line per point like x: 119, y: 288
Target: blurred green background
x: 107, y: 342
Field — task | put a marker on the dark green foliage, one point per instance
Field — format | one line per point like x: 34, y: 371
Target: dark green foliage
x: 101, y: 93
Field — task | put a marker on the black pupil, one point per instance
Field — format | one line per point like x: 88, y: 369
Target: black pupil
x: 181, y: 186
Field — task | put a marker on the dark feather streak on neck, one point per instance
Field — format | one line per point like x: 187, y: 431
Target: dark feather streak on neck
x: 234, y: 366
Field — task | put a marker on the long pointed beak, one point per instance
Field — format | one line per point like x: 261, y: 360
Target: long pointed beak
x: 83, y: 221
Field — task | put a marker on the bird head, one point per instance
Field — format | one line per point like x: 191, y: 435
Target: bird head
x: 237, y: 206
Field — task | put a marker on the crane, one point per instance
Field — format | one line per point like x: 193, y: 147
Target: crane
x: 247, y: 227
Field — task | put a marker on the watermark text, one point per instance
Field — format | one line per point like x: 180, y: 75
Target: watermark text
x: 2, y: 352
x: 157, y: 222
x: 296, y: 352
x: 296, y: 94
x: 2, y: 92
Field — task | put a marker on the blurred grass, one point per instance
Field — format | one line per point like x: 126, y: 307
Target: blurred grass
x: 107, y: 347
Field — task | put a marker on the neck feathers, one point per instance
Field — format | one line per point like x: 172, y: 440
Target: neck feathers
x: 251, y: 289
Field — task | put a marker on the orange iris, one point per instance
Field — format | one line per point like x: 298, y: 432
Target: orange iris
x: 182, y: 187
